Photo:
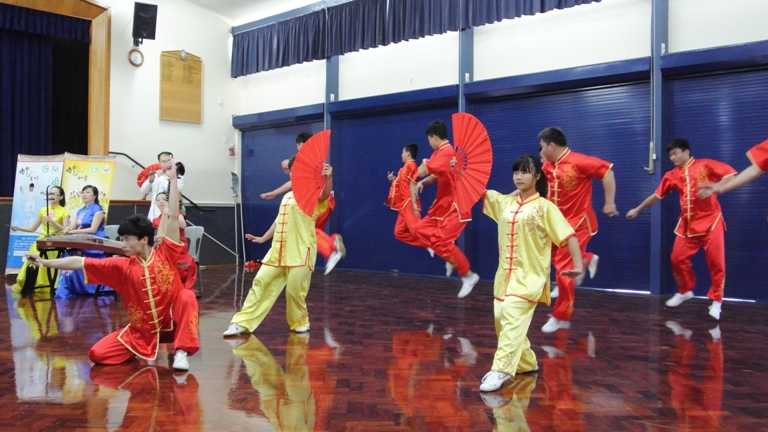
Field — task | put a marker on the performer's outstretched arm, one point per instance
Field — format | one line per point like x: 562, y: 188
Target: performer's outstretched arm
x: 415, y: 198
x: 730, y: 183
x: 267, y: 235
x: 172, y: 231
x: 609, y: 186
x: 578, y: 264
x: 68, y: 263
x: 651, y: 200
x: 286, y: 187
x: 326, y: 193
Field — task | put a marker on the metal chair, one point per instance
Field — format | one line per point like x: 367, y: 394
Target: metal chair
x: 110, y: 232
x: 195, y: 240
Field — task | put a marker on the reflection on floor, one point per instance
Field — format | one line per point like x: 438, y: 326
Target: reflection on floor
x: 389, y: 353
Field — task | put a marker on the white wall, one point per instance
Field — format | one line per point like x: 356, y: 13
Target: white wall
x: 417, y: 64
x: 588, y: 34
x: 697, y: 24
x: 135, y: 127
x: 293, y: 86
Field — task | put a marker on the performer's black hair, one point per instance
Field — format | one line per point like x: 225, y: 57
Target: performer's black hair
x: 95, y: 191
x: 553, y: 134
x: 138, y: 226
x: 678, y: 143
x: 164, y: 153
x: 180, y: 170
x: 303, y: 137
x: 413, y: 149
x: 290, y: 162
x: 63, y: 201
x: 438, y: 129
x: 531, y: 164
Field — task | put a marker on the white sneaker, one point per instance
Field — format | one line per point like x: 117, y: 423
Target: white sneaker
x: 552, y: 352
x: 448, y: 269
x: 678, y: 299
x: 494, y: 401
x: 235, y: 330
x: 714, y: 309
x: 678, y: 330
x: 331, y: 342
x: 431, y: 252
x: 554, y: 324
x: 593, y: 266
x: 338, y: 241
x: 302, y: 329
x: 493, y: 380
x: 555, y: 292
x: 715, y: 332
x: 180, y: 379
x: 234, y: 343
x: 332, y: 261
x: 468, y: 282
x: 180, y: 361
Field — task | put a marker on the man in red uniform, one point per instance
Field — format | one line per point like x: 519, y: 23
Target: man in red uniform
x: 331, y: 247
x: 701, y: 221
x: 445, y: 220
x: 758, y: 155
x: 570, y: 175
x: 158, y: 307
x: 404, y: 199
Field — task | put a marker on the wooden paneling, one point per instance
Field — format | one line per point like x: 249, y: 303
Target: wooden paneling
x: 181, y: 87
x: 98, y: 85
x: 74, y: 8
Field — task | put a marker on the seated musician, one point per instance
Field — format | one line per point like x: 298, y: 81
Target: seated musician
x: 186, y: 266
x: 55, y: 218
x: 89, y: 221
x: 159, y: 308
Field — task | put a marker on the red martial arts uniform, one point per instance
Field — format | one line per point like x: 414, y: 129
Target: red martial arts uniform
x: 326, y: 244
x: 158, y: 307
x: 570, y: 188
x: 187, y: 267
x: 699, y: 406
x: 701, y: 223
x: 759, y: 156
x: 400, y: 200
x: 445, y: 220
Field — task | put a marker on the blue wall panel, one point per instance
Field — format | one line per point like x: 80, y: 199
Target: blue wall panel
x: 612, y: 123
x: 263, y: 151
x: 723, y: 116
x: 363, y: 150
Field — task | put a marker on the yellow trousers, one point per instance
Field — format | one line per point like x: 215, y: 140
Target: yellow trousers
x: 513, y: 354
x: 266, y: 287
x: 286, y: 398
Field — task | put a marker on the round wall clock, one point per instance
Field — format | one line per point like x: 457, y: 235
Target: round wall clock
x: 136, y: 57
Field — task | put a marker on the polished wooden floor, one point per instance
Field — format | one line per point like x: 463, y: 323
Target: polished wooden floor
x: 390, y: 353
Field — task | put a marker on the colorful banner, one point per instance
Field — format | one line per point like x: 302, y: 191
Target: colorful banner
x: 33, y: 175
x: 80, y: 171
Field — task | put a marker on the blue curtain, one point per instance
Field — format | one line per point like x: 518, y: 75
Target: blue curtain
x: 44, y: 23
x: 285, y: 43
x: 490, y: 11
x: 26, y: 64
x: 356, y: 25
x: 414, y: 19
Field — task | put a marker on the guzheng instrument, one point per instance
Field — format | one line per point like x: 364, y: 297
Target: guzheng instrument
x: 81, y: 242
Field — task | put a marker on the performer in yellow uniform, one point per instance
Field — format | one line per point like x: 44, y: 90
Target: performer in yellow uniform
x: 528, y: 226
x: 290, y: 261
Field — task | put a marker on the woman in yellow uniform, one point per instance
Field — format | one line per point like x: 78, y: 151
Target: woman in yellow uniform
x: 528, y: 226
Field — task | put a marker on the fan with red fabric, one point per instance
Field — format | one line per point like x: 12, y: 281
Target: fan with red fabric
x: 143, y: 175
x: 474, y: 158
x: 307, y: 180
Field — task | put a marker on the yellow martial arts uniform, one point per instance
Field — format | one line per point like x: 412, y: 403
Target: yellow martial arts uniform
x: 58, y: 213
x: 290, y: 261
x: 527, y: 229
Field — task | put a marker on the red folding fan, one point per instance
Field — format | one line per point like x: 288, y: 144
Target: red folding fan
x: 307, y: 179
x: 474, y: 158
x: 144, y: 175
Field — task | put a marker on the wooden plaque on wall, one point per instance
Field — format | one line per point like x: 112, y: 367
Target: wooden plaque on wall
x: 181, y: 87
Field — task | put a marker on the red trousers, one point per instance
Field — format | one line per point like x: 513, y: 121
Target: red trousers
x: 405, y: 228
x: 440, y: 235
x: 326, y: 244
x: 714, y: 249
x: 698, y: 405
x: 561, y: 259
x: 187, y: 271
x: 110, y: 351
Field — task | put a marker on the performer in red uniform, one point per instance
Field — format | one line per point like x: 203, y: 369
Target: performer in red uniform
x: 570, y: 175
x: 758, y: 155
x: 187, y: 267
x: 701, y: 221
x: 445, y: 220
x: 404, y: 199
x: 159, y: 309
x: 331, y: 247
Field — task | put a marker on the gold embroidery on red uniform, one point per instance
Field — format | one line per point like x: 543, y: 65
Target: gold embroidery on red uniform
x: 134, y: 314
x: 164, y: 276
x: 569, y: 178
x: 193, y: 322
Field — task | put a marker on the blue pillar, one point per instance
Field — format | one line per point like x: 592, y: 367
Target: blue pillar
x: 466, y: 63
x: 331, y: 86
x: 659, y: 44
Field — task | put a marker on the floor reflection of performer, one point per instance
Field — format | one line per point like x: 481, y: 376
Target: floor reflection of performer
x: 159, y: 399
x: 510, y: 407
x: 423, y: 381
x: 698, y: 405
x: 298, y: 399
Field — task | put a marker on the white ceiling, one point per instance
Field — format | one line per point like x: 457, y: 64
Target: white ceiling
x: 238, y: 12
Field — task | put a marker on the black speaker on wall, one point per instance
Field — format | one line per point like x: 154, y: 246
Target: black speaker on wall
x: 144, y: 22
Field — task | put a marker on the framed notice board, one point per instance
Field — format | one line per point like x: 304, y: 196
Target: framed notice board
x: 181, y: 87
